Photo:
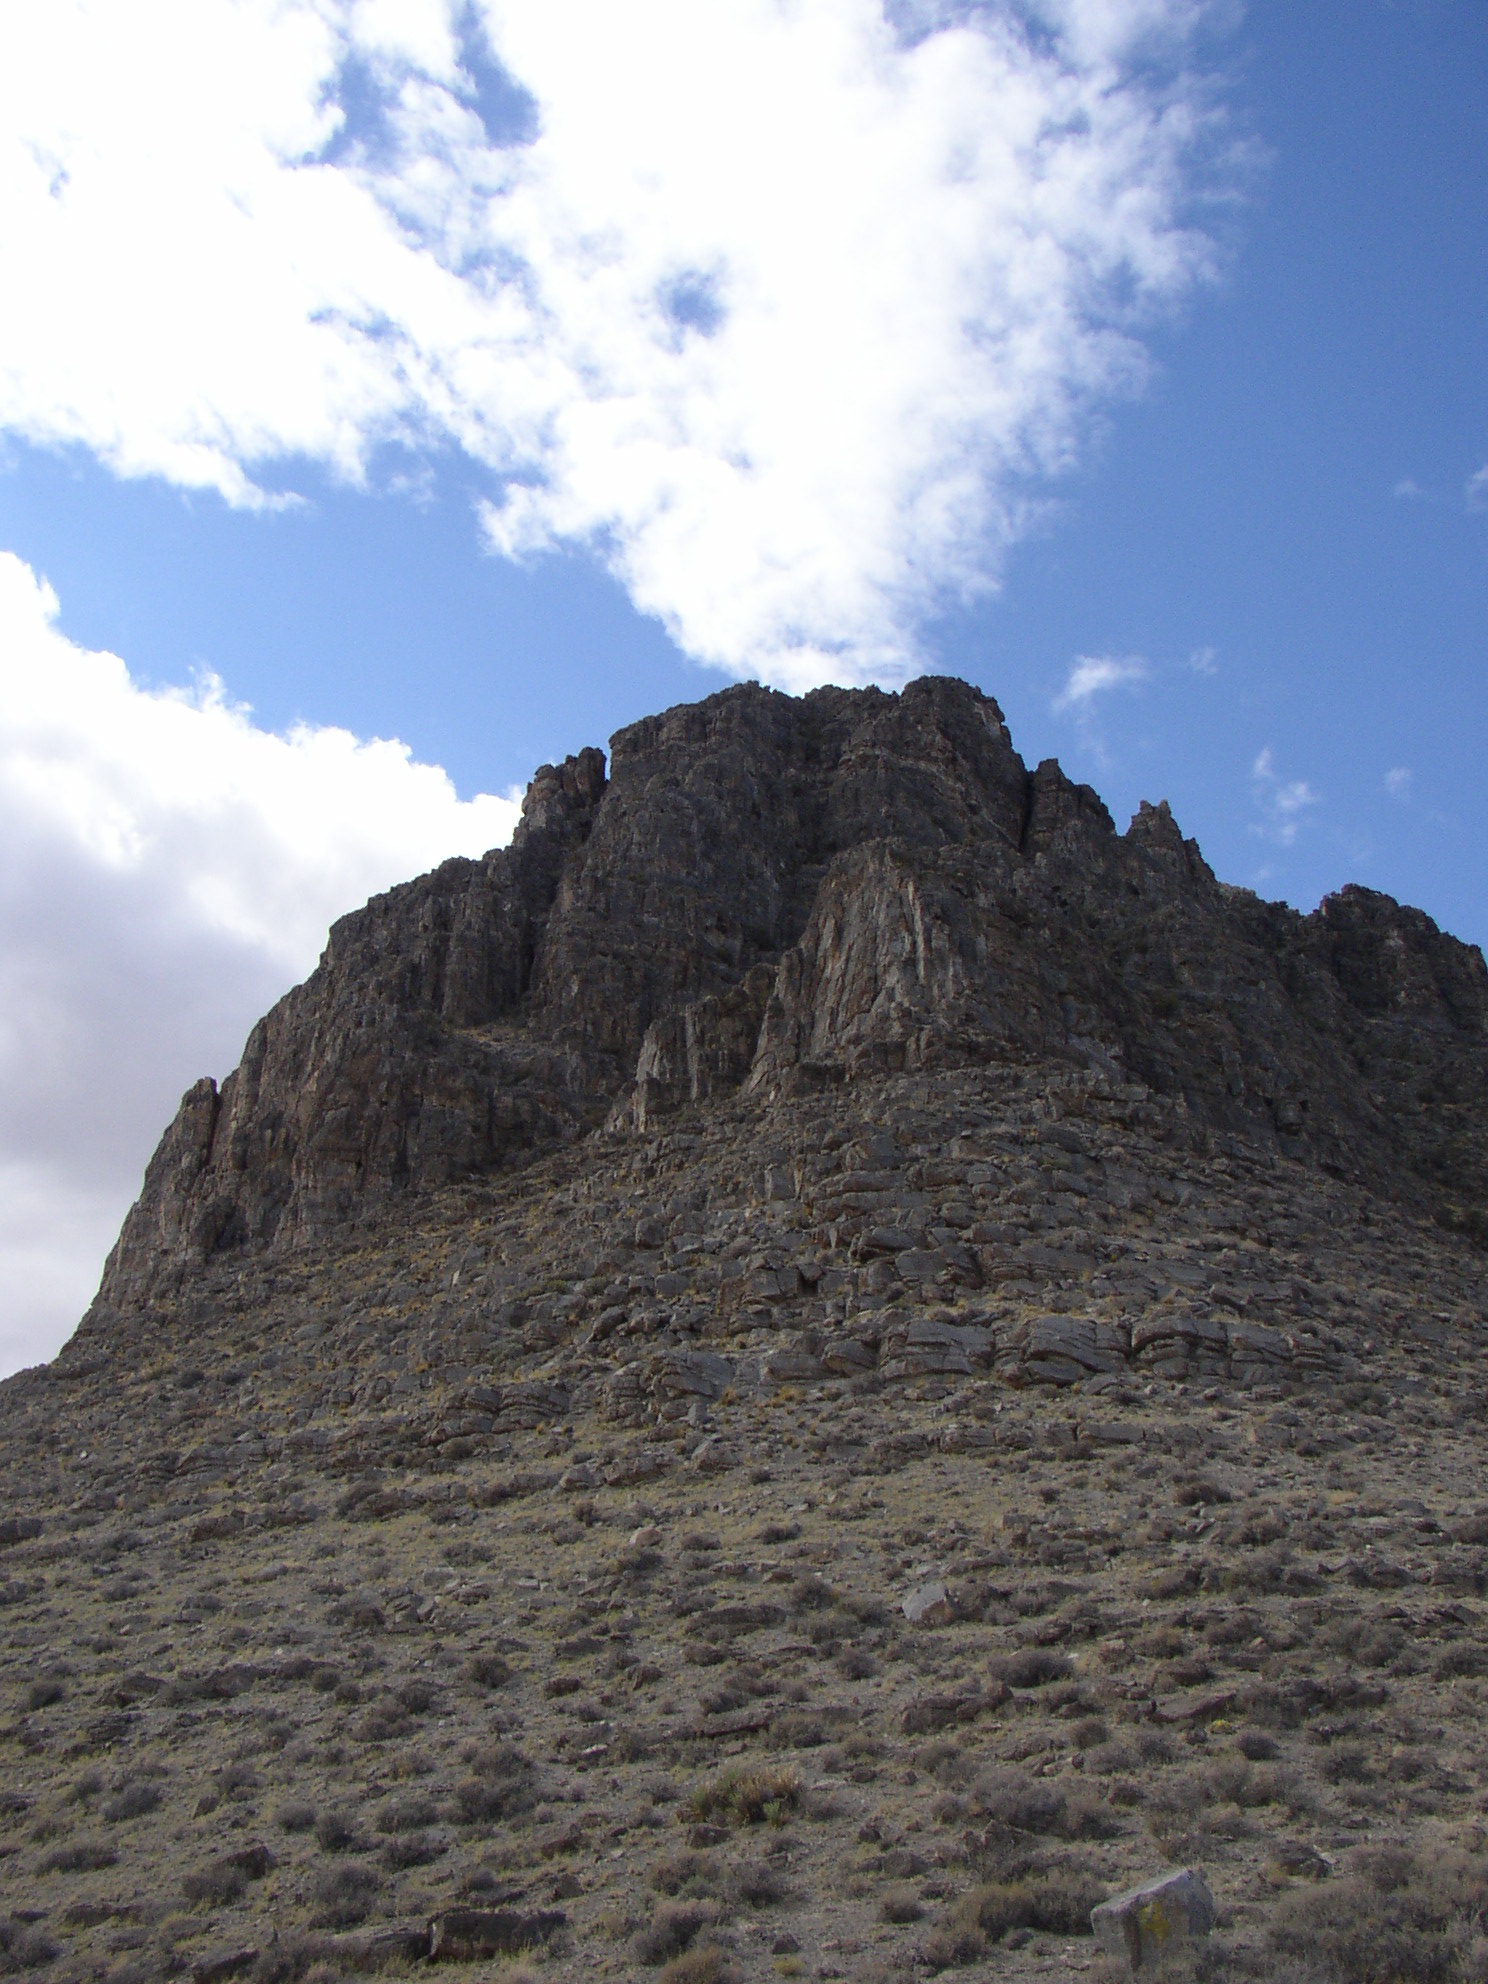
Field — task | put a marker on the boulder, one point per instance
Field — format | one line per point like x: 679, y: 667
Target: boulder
x: 1137, y: 1927
x: 693, y: 1374
x: 793, y: 1366
x: 928, y: 1605
x: 1059, y: 1350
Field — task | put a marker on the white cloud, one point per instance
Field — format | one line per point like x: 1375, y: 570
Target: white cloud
x: 1093, y: 675
x: 1476, y: 493
x: 1408, y: 490
x: 1204, y: 661
x: 170, y: 869
x: 788, y: 311
x: 1399, y: 780
x: 1282, y: 802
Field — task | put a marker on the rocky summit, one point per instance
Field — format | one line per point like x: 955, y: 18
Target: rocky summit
x: 816, y: 1370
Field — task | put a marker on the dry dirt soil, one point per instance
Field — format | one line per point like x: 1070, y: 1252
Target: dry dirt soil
x: 550, y: 1549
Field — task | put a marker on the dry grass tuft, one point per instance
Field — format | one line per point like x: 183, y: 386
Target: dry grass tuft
x: 673, y: 1928
x: 749, y: 1797
x: 701, y: 1966
x: 1397, y: 1918
x: 900, y: 1905
x: 501, y: 1786
x: 1032, y: 1667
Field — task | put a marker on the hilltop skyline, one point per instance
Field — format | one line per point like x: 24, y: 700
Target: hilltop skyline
x: 493, y: 377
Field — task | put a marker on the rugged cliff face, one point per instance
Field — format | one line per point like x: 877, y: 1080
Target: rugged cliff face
x: 769, y: 893
x: 823, y: 1285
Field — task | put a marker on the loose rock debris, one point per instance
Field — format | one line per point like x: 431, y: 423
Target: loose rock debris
x: 603, y: 1665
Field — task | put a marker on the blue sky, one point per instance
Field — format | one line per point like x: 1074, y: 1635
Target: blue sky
x: 1225, y: 548
x: 1245, y: 503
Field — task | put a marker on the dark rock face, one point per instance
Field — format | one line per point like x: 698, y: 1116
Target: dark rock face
x: 769, y: 892
x: 396, y: 1063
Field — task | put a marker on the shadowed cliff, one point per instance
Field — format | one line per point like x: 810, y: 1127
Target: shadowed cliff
x: 767, y: 892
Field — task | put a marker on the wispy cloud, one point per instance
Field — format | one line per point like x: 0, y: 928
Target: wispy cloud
x: 1204, y: 661
x: 1093, y: 675
x: 789, y: 313
x: 170, y: 869
x: 1408, y: 490
x: 1091, y: 678
x: 1283, y: 803
x: 1399, y: 780
x: 1476, y: 493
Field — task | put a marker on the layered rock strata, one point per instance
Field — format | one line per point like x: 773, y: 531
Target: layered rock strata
x: 767, y: 892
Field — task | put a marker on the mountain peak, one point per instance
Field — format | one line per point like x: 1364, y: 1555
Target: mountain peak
x: 767, y: 892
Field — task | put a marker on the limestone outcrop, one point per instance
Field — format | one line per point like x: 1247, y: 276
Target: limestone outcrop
x: 763, y: 892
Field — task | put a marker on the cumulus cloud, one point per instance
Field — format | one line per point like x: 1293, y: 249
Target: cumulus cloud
x: 1399, y: 780
x: 788, y: 311
x: 1283, y: 803
x: 170, y: 869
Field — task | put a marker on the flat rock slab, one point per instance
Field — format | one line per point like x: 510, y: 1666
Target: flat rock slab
x: 1139, y: 1925
x: 737, y: 1722
x: 1206, y: 1707
x: 230, y: 1963
x: 928, y: 1713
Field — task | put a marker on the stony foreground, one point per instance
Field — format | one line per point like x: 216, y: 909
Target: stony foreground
x: 845, y: 1535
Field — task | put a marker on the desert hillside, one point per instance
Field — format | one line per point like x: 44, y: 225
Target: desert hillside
x: 808, y: 1372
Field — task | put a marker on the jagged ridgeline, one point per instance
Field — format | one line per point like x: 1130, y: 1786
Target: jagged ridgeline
x: 768, y: 893
x: 814, y: 1369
